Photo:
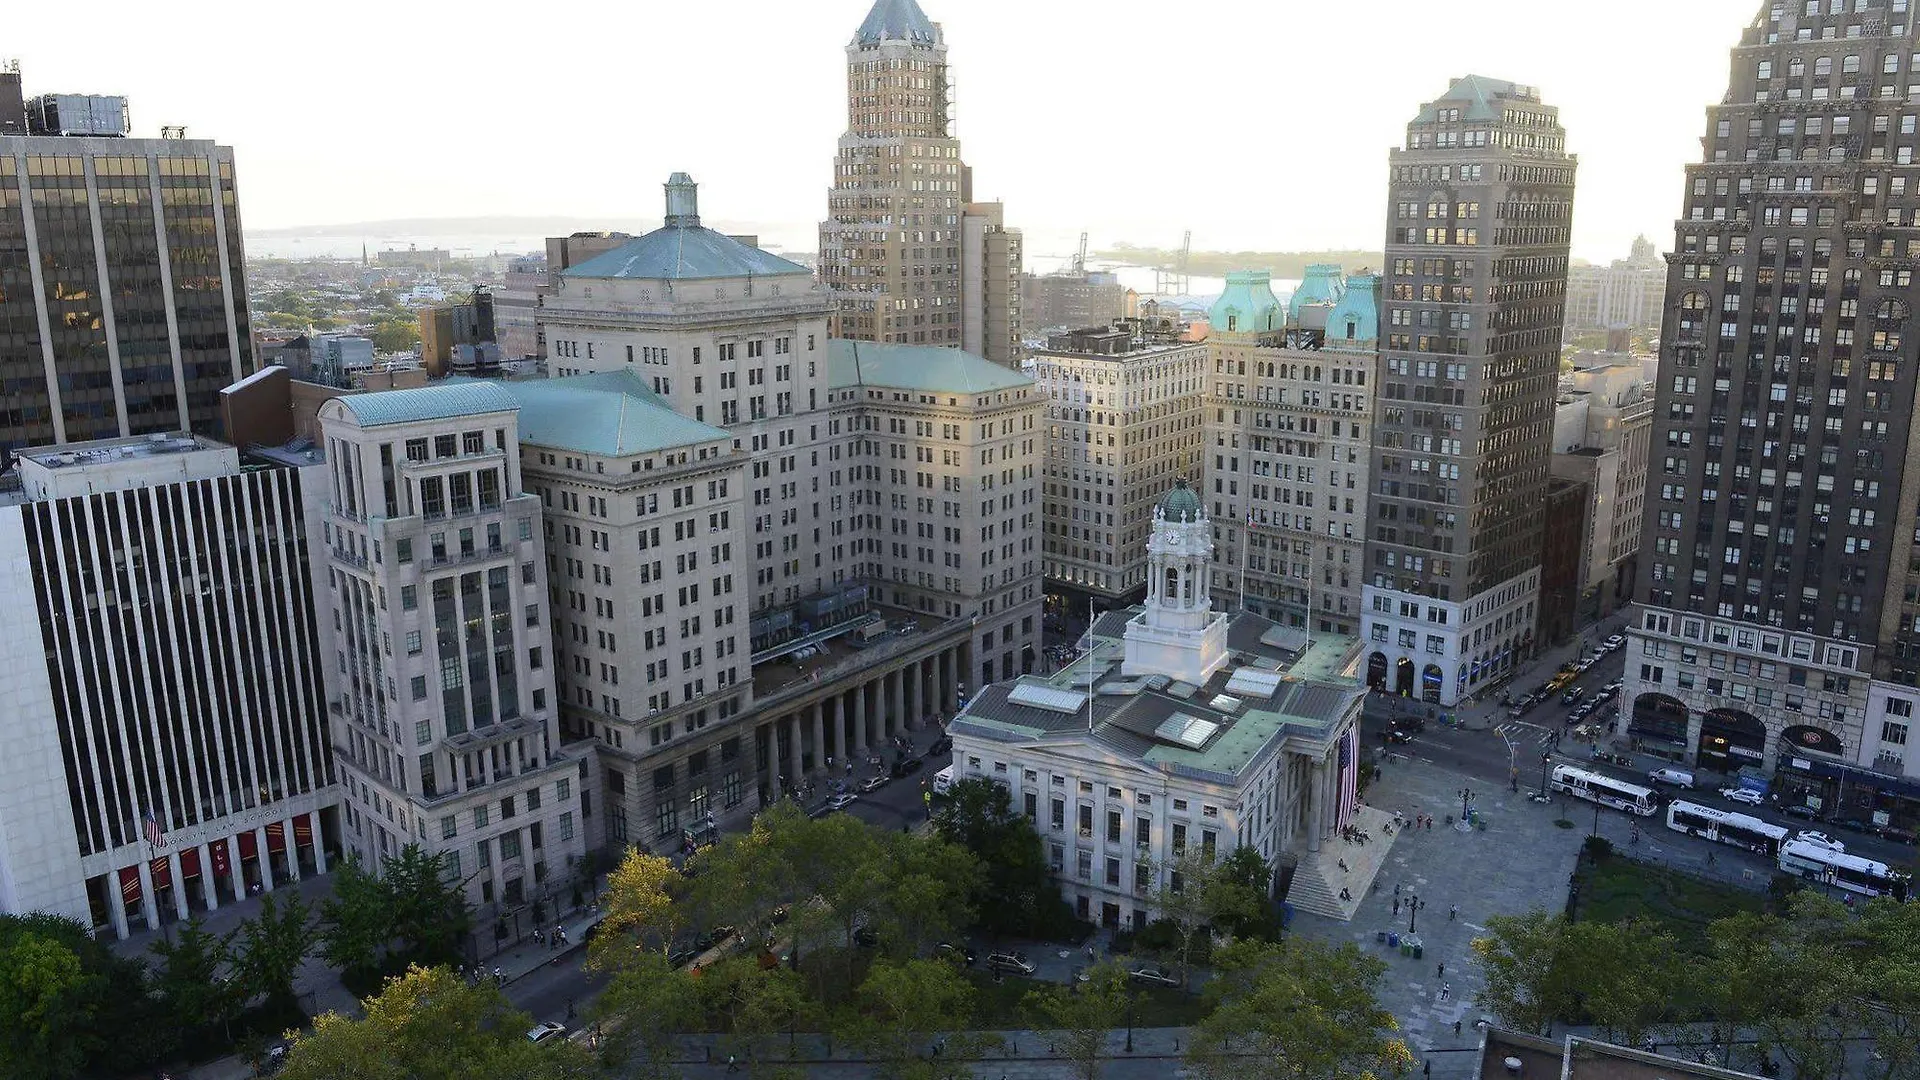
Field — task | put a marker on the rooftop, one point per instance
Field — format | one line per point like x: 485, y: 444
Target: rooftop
x: 1477, y: 94
x: 897, y: 20
x: 611, y: 414
x: 100, y: 451
x: 1506, y: 1054
x: 425, y: 403
x: 1278, y: 682
x: 683, y: 249
x: 916, y: 367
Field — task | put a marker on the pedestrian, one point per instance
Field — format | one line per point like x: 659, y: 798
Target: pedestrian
x: 1441, y: 972
x: 569, y: 1009
x: 1396, y: 890
x: 1429, y: 822
x: 1396, y: 905
x: 733, y: 1066
x: 1456, y: 1028
x: 1446, y: 991
x: 1453, y: 912
x: 498, y: 978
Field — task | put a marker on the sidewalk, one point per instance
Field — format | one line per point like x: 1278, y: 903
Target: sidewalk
x: 1021, y: 1055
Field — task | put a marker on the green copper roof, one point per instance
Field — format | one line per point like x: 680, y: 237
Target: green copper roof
x: 610, y: 414
x: 916, y: 367
x: 1474, y: 95
x: 1356, y: 316
x: 1248, y: 305
x: 897, y: 20
x: 1180, y: 503
x: 425, y: 403
x: 1322, y: 285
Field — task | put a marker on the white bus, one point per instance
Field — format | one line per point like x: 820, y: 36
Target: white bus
x: 1603, y: 789
x: 1825, y: 866
x: 1726, y: 827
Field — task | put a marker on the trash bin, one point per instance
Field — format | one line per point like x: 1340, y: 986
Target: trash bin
x: 1406, y: 947
x: 1379, y: 937
x: 1417, y: 951
x: 1393, y: 941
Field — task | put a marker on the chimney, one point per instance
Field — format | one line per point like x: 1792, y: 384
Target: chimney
x: 683, y: 202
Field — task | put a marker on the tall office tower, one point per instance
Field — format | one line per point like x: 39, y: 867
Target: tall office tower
x: 1123, y: 422
x: 894, y: 248
x: 1783, y: 476
x: 1480, y: 201
x: 167, y: 744
x: 123, y: 301
x: 1289, y: 414
x: 440, y: 677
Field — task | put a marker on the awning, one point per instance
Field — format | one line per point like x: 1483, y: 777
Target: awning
x: 1895, y: 785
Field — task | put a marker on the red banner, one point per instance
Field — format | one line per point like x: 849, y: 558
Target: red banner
x: 249, y: 847
x: 130, y: 885
x: 221, y: 866
x: 190, y: 863
x: 162, y: 871
x: 277, y: 836
x: 303, y: 830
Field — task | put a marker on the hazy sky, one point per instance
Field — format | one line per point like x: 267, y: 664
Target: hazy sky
x: 1255, y: 123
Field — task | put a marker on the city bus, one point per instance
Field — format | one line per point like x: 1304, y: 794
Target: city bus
x: 1726, y: 827
x: 1825, y: 866
x: 1603, y: 789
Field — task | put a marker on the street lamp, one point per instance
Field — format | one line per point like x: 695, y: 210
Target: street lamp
x: 1413, y: 911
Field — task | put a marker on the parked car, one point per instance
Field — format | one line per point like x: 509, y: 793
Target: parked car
x: 842, y: 801
x: 907, y: 766
x: 1616, y: 640
x: 1742, y: 795
x: 875, y: 783
x: 1573, y: 696
x: 548, y: 1032
x: 1820, y: 839
x: 864, y: 937
x: 1014, y: 962
x: 956, y: 954
x: 1679, y: 778
x: 940, y: 745
x: 1399, y: 735
x: 1801, y: 810
x: 1153, y: 976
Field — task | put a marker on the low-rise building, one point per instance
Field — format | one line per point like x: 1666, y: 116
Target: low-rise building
x: 1289, y: 422
x: 167, y: 742
x: 1179, y: 729
x: 1071, y: 299
x: 1601, y: 427
x: 1123, y: 421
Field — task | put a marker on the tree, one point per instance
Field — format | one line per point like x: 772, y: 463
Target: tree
x: 42, y: 987
x: 196, y: 981
x: 272, y: 946
x: 1299, y: 1011
x: 1888, y: 983
x: 395, y: 336
x: 427, y: 906
x: 1183, y: 901
x: 929, y: 889
x: 643, y: 908
x: 1082, y: 1015
x: 899, y: 1012
x: 1017, y: 895
x: 1239, y: 899
x: 357, y: 924
x: 1529, y: 981
x: 646, y: 1004
x: 1627, y: 975
x: 1785, y: 982
x: 431, y: 1025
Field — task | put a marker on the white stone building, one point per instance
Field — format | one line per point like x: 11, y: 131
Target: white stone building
x: 167, y: 747
x: 434, y: 630
x: 1179, y: 729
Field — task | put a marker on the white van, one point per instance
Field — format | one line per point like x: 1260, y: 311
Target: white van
x: 1679, y: 778
x: 943, y: 780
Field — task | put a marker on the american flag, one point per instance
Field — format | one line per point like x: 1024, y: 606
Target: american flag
x: 154, y: 834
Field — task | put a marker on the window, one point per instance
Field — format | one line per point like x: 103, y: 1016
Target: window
x: 563, y: 790
x: 509, y: 846
x: 480, y: 817
x: 419, y: 687
x: 413, y: 643
x: 409, y: 597
x: 566, y: 824
x: 506, y: 808
x: 449, y: 827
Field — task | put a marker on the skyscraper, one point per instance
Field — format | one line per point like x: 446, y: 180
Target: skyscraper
x: 1480, y: 202
x: 909, y: 256
x: 1783, y: 476
x: 123, y: 304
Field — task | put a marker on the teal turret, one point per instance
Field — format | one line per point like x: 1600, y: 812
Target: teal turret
x: 1248, y: 305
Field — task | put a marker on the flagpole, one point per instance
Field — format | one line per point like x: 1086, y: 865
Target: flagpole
x: 1089, y: 664
x: 1246, y: 538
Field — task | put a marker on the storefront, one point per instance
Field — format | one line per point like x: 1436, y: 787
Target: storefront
x: 1658, y: 726
x: 1730, y: 740
x: 1844, y: 793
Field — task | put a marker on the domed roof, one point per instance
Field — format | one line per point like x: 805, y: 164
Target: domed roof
x: 1180, y: 504
x: 1248, y: 305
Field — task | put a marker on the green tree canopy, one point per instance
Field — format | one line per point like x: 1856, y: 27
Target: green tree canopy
x: 1017, y: 895
x: 1082, y: 1015
x: 432, y: 1025
x: 271, y: 947
x: 1298, y: 1011
x: 904, y: 1010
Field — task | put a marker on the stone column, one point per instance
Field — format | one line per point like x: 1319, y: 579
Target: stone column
x: 859, y: 743
x: 944, y: 680
x: 795, y: 760
x: 819, y: 735
x: 319, y: 844
x: 896, y: 702
x: 1316, y: 806
x: 234, y: 869
x: 117, y: 911
x: 149, y: 908
x: 293, y: 851
x: 913, y: 677
x: 209, y: 891
x: 179, y: 885
x: 1695, y: 721
x: 264, y: 857
x: 839, y: 726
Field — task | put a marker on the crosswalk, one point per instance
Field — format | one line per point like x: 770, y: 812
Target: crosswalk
x: 1522, y: 733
